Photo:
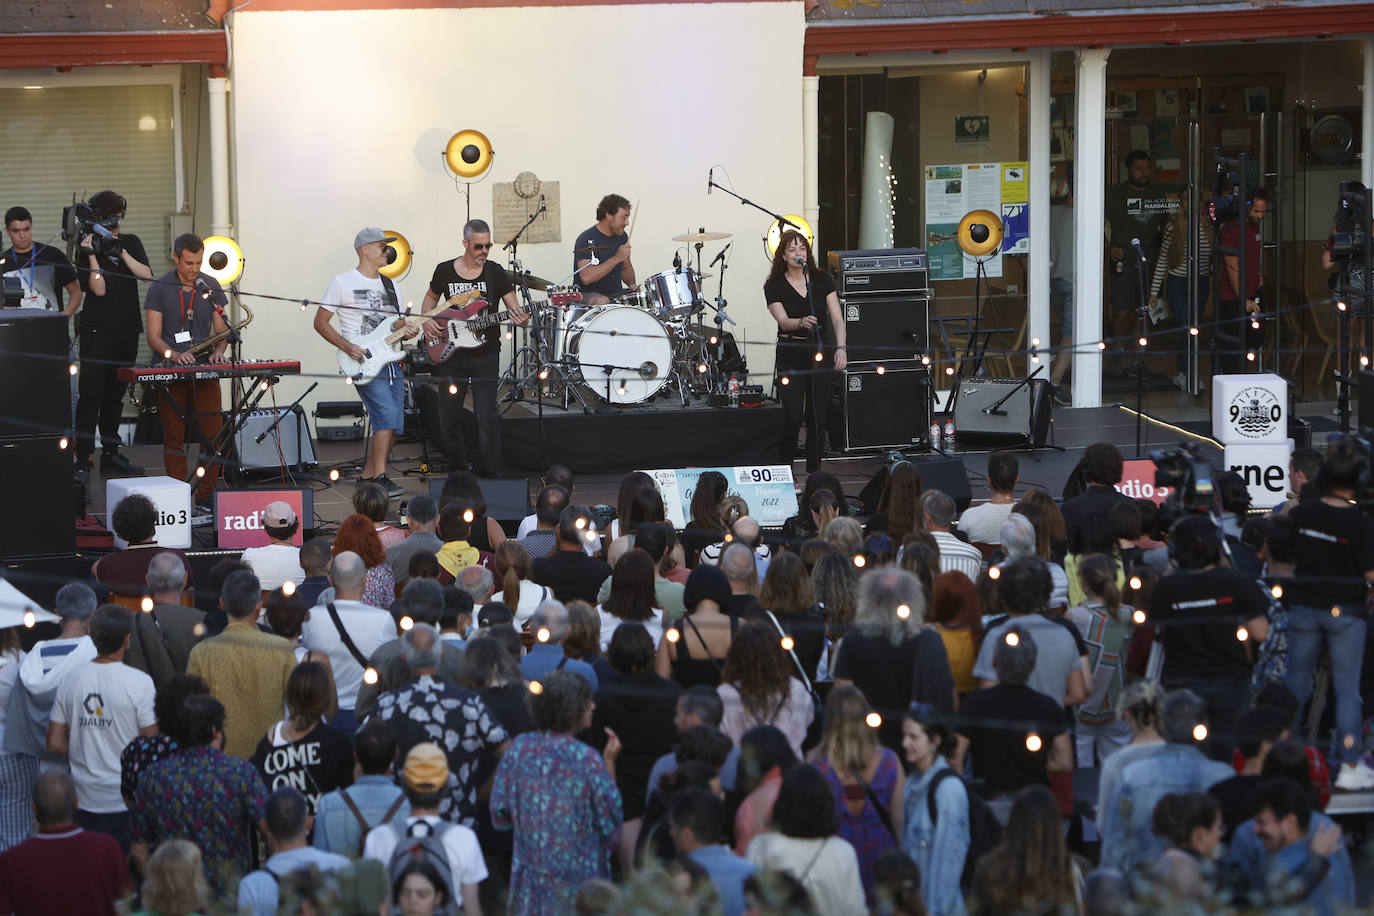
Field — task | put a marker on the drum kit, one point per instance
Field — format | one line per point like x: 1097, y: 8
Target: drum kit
x: 649, y: 340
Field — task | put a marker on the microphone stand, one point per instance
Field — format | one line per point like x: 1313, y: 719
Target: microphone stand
x: 711, y: 183
x: 513, y: 367
x: 1140, y: 354
x: 809, y: 392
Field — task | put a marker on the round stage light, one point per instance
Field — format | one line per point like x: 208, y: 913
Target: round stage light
x: 468, y: 154
x: 776, y: 229
x: 980, y: 233
x: 398, y: 255
x: 223, y: 259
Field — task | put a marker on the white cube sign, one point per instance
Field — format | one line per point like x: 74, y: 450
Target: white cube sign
x: 1249, y: 409
x: 1264, y: 468
x: 170, y: 496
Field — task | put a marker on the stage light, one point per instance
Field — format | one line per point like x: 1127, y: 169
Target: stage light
x: 468, y: 154
x: 621, y: 389
x: 398, y: 255
x: 223, y: 259
x: 873, y: 720
x: 1254, y: 325
x: 167, y: 354
x: 776, y: 228
x: 979, y: 233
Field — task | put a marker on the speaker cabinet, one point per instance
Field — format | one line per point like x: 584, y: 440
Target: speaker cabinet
x: 982, y: 417
x: 944, y: 474
x: 888, y: 408
x: 35, y: 483
x: 884, y: 329
x: 33, y: 371
x: 508, y: 498
x: 285, y: 443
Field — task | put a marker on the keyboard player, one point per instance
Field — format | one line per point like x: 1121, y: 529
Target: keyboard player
x: 184, y: 309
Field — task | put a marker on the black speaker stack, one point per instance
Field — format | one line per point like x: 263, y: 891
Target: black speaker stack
x: 885, y: 390
x: 35, y: 470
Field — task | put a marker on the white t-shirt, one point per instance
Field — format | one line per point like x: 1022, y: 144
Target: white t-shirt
x: 609, y: 622
x: 360, y: 302
x: 464, y: 854
x: 367, y: 626
x: 105, y: 704
x: 9, y: 675
x: 983, y: 524
x: 275, y: 564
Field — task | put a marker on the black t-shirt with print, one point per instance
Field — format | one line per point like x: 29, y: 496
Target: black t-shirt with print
x: 320, y: 762
x: 493, y: 283
x: 1335, y: 542
x: 1201, y: 612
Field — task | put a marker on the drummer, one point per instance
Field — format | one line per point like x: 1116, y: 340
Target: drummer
x: 601, y: 255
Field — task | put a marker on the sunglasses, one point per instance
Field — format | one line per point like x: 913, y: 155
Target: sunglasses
x: 481, y: 247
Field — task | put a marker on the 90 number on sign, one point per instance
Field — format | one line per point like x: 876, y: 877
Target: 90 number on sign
x: 759, y: 475
x: 1275, y: 412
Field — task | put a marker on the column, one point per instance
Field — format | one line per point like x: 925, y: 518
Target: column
x: 811, y: 182
x: 1089, y: 192
x: 218, y: 89
x: 1038, y: 162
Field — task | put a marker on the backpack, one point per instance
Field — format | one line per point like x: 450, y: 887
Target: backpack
x: 429, y: 848
x: 984, y: 830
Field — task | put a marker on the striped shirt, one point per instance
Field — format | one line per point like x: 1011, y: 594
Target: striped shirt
x: 1162, y: 268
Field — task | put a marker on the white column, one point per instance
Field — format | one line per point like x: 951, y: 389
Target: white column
x: 811, y: 181
x: 1089, y: 196
x: 1367, y: 121
x: 1038, y: 161
x: 218, y: 88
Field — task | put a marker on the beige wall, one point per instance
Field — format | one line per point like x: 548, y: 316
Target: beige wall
x: 946, y: 96
x: 340, y: 120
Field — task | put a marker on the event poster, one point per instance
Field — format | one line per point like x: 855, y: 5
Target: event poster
x: 768, y: 489
x: 954, y: 190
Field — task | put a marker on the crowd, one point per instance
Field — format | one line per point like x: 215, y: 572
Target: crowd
x: 833, y: 718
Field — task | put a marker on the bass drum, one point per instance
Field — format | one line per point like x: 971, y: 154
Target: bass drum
x: 631, y: 341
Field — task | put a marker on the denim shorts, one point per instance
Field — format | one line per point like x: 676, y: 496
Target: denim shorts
x: 385, y: 399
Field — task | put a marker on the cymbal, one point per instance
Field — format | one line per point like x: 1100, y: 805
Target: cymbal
x: 702, y: 236
x: 590, y: 249
x: 536, y: 283
x: 704, y: 274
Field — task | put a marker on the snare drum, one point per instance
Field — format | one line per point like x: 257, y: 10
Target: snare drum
x: 673, y: 294
x: 631, y: 341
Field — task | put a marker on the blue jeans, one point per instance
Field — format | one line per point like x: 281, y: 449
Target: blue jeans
x: 1344, y: 638
x: 1176, y: 294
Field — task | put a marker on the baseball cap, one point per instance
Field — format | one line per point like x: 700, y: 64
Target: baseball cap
x: 493, y: 614
x: 426, y: 768
x: 369, y: 235
x: 278, y: 515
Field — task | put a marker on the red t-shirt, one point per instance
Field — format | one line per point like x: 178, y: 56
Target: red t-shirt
x: 63, y: 870
x: 1253, y: 242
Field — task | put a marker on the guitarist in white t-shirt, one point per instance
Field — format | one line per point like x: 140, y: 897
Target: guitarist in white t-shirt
x: 468, y: 341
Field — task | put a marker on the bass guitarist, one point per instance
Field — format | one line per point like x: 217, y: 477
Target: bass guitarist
x: 476, y: 359
x: 364, y: 299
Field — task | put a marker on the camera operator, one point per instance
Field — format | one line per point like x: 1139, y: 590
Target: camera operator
x: 1334, y: 564
x: 1201, y: 608
x: 35, y: 274
x: 108, y: 331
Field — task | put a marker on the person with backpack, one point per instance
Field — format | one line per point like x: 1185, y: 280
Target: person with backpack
x: 937, y: 811
x: 286, y: 823
x: 344, y: 817
x: 425, y: 836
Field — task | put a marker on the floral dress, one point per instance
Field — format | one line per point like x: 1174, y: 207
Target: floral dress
x: 869, y: 832
x: 556, y: 794
x: 379, y: 588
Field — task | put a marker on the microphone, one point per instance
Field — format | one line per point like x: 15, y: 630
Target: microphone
x: 799, y: 260
x: 647, y: 369
x: 677, y: 262
x: 1135, y: 243
x: 710, y: 180
x: 720, y: 257
x: 542, y: 208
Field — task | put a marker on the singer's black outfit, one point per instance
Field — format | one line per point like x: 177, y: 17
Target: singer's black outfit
x: 110, y: 327
x: 806, y: 396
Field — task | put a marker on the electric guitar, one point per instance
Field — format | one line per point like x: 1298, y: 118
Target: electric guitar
x: 462, y: 323
x: 380, y: 345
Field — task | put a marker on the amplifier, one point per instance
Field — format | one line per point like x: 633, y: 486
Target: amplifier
x: 286, y: 443
x: 887, y: 407
x: 887, y: 328
x: 1022, y: 418
x: 880, y: 272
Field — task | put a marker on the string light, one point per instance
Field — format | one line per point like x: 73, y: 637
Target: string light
x: 1143, y: 341
x: 543, y: 374
x: 543, y: 634
x: 62, y: 444
x: 29, y: 619
x: 714, y: 340
x: 536, y: 688
x: 1035, y: 341
x: 452, y: 389
x: 509, y: 335
x: 672, y: 636
x: 468, y: 516
x: 167, y: 354
x: 288, y: 588
x: 1242, y: 634
x: 146, y: 604
x: 1138, y: 617
x: 1340, y: 306
x: 580, y: 523
x: 859, y: 560
x: 873, y: 720
x: 925, y: 360
x: 96, y: 275
x: 1193, y: 331
x: 1276, y: 591
x: 71, y: 369
x: 881, y: 370
x: 1336, y: 611
x: 784, y: 380
x: 621, y: 389
x: 701, y: 368
x: 1255, y: 324
x: 1012, y: 640
x: 949, y: 370
x: 1348, y: 740
x: 407, y: 622
x: 819, y: 356
x: 1033, y: 743
x: 1101, y: 345
x: 1250, y: 355
x: 263, y: 386
x: 994, y: 573
x: 903, y: 612
x: 1135, y: 583
x: 334, y: 475
x: 1200, y: 732
x: 305, y: 303
x: 198, y: 629
x: 370, y: 676
x: 200, y: 471
x: 787, y: 643
x: 348, y: 380
x: 590, y: 535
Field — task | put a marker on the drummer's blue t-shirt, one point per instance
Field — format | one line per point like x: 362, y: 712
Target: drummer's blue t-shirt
x: 607, y: 246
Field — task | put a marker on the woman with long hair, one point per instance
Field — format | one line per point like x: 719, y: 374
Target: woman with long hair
x: 1142, y: 708
x: 957, y: 615
x: 301, y: 749
x: 765, y: 757
x: 896, y: 513
x: 835, y: 581
x: 513, y: 573
x: 632, y: 598
x: 695, y: 646
x: 789, y: 603
x: 1054, y: 531
x: 495, y: 675
x: 486, y: 532
x: 1105, y: 624
x: 811, y: 343
x: 583, y: 641
x: 803, y: 524
x: 359, y: 535
x: 645, y: 507
x: 1031, y: 870
x: 286, y: 616
x: 175, y: 882
x: 624, y: 499
x: 370, y: 499
x: 704, y: 526
x: 825, y: 508
x: 938, y: 846
x: 865, y: 779
x: 757, y: 687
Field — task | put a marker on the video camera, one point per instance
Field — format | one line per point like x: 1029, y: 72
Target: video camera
x: 1223, y: 207
x: 1188, y: 475
x: 1352, y: 222
x: 80, y: 220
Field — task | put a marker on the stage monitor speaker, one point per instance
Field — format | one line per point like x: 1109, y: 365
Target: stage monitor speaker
x: 1022, y: 419
x: 32, y: 471
x: 508, y: 498
x: 287, y: 443
x: 886, y: 329
x: 944, y: 474
x: 887, y: 409
x: 33, y: 361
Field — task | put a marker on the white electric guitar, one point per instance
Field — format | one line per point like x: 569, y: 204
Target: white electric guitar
x: 382, y: 345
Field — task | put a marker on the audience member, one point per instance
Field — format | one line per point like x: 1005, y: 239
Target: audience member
x: 983, y: 523
x: 757, y: 687
x: 344, y: 817
x: 175, y: 884
x: 422, y: 601
x: 301, y: 750
x: 935, y: 831
x: 358, y: 536
x: 145, y: 750
x: 1258, y: 729
x: 541, y: 539
x: 697, y: 819
x: 1100, y: 470
x: 125, y: 572
x: 694, y: 649
x: 550, y: 626
x: 569, y: 571
x: 44, y: 668
x: 512, y: 571
x: 280, y: 560
x: 371, y: 501
x: 956, y: 615
x: 286, y: 824
x: 954, y: 553
x: 422, y: 516
x: 737, y: 562
x: 789, y: 604
x: 632, y: 598
x: 1105, y: 625
x: 1030, y: 870
x: 765, y: 757
x: 314, y: 559
x: 493, y: 672
x: 348, y: 631
x: 1023, y: 589
x: 164, y: 635
x: 1142, y: 708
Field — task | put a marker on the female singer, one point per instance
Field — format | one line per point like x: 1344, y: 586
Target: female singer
x: 811, y: 337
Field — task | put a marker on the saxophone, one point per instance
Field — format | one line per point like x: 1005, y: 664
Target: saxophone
x: 208, y: 344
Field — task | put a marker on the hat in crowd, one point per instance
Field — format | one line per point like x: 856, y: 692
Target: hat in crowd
x: 426, y: 768
x: 706, y: 581
x: 278, y: 515
x: 493, y: 614
x: 369, y: 235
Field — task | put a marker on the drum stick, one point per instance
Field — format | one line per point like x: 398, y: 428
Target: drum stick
x: 634, y: 215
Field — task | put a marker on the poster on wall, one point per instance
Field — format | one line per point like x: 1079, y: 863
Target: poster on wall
x: 954, y: 190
